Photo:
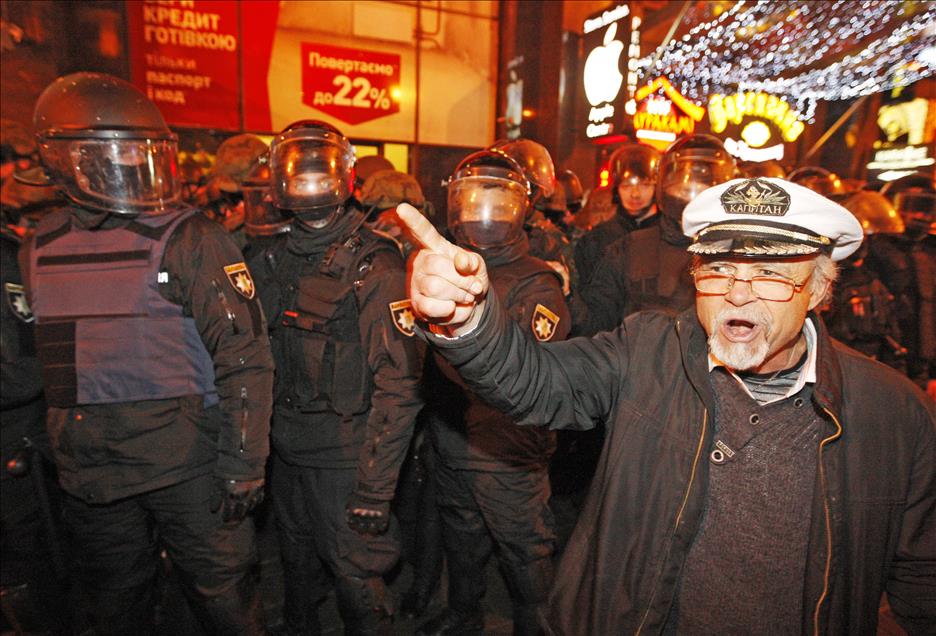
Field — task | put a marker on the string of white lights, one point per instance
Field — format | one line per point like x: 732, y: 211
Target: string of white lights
x: 752, y: 45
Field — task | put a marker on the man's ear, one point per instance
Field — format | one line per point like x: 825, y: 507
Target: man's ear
x: 818, y: 295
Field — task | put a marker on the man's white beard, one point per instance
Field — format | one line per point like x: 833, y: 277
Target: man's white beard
x: 740, y: 356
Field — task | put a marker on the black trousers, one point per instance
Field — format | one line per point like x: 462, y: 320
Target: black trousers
x: 507, y: 512
x: 317, y: 546
x: 117, y: 557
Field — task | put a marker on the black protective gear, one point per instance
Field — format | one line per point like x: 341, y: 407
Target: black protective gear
x: 488, y: 199
x: 236, y: 498
x: 634, y: 164
x: 572, y: 188
x: 691, y: 165
x: 117, y: 559
x: 106, y: 145
x: 769, y: 168
x: 875, y: 212
x: 261, y: 217
x: 819, y: 180
x: 366, y: 515
x: 312, y: 169
x: 367, y: 606
x: 536, y: 163
x: 453, y: 623
x: 914, y: 197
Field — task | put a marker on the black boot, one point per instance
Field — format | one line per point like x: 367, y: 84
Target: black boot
x: 451, y: 623
x: 365, y: 606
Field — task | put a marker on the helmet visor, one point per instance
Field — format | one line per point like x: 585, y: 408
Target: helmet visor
x: 486, y: 211
x: 120, y: 175
x: 310, y: 173
x: 685, y: 179
x: 261, y: 217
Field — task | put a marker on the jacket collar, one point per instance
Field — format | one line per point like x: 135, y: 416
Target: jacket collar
x: 694, y: 347
x: 828, y: 390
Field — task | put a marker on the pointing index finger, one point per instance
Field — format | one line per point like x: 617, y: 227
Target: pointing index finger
x: 423, y: 231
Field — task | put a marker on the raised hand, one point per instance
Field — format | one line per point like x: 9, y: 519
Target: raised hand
x: 447, y: 282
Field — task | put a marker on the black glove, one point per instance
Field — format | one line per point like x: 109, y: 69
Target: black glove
x: 236, y: 498
x: 367, y: 516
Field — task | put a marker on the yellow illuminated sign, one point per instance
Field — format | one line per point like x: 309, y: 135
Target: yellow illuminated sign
x: 725, y: 109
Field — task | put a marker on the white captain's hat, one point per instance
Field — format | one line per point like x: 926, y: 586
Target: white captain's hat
x: 769, y: 217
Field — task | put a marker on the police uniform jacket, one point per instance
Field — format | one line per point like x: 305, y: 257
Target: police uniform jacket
x: 873, y: 515
x: 467, y: 432
x: 107, y: 448
x: 348, y: 367
x: 20, y: 384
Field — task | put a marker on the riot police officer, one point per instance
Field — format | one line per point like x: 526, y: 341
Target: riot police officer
x: 263, y: 221
x: 492, y: 480
x: 862, y: 313
x: 155, y: 364
x: 634, y: 169
x: 547, y: 241
x: 648, y: 267
x: 347, y: 383
x: 907, y: 265
x: 820, y: 180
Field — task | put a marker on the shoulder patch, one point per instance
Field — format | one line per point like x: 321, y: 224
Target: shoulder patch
x: 544, y: 323
x: 16, y: 299
x: 239, y: 277
x: 403, y: 318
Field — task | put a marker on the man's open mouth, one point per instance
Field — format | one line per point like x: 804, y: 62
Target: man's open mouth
x: 739, y: 330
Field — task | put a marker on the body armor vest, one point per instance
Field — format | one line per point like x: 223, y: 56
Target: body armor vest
x: 657, y: 272
x: 104, y: 332
x: 321, y: 363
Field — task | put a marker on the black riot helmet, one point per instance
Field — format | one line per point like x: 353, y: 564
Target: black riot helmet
x: 769, y: 168
x: 819, y: 180
x: 488, y: 198
x: 312, y: 169
x: 535, y: 162
x: 261, y: 217
x: 689, y: 166
x: 635, y: 164
x: 106, y: 145
x: 914, y: 197
x: 572, y: 187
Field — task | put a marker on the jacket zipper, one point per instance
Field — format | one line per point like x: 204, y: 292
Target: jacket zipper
x: 828, y: 521
x: 682, y: 507
x: 243, y: 428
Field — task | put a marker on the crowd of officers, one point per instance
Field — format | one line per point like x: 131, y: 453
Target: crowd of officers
x: 170, y: 363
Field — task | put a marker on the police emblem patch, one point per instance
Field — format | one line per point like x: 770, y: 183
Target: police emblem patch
x: 239, y: 277
x: 544, y: 323
x: 16, y: 299
x: 756, y: 196
x: 403, y: 317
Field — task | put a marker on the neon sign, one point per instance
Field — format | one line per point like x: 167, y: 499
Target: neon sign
x: 755, y: 116
x: 663, y: 114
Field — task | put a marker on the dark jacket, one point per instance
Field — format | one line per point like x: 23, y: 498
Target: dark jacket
x: 106, y: 452
x: 875, y: 502
x: 372, y: 318
x: 469, y: 434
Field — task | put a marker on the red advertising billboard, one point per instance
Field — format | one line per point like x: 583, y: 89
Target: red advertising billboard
x: 184, y: 57
x: 351, y: 85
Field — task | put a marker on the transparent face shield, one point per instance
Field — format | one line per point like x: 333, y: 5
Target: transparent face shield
x: 688, y: 178
x: 310, y: 172
x: 261, y: 217
x: 117, y: 175
x: 486, y: 211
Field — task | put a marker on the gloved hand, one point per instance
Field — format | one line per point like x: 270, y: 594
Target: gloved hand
x: 367, y: 516
x: 236, y: 498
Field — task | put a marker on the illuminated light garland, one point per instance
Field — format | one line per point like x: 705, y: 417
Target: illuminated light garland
x: 748, y: 48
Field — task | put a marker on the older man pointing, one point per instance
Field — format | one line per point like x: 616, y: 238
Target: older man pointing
x: 757, y: 476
